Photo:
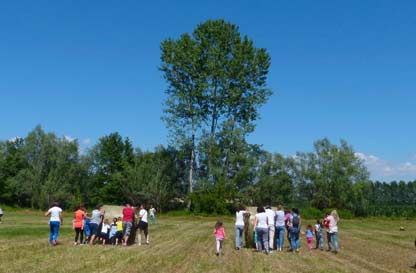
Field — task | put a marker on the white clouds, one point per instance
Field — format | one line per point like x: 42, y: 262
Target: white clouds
x: 86, y: 141
x: 69, y: 139
x: 387, y: 171
x: 13, y: 139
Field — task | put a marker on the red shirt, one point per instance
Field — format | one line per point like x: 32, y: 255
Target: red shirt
x: 128, y: 214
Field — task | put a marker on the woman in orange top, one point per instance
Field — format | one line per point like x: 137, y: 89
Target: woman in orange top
x: 78, y: 224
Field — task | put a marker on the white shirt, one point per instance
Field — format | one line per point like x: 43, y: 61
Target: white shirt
x: 333, y: 224
x: 143, y: 215
x: 270, y: 216
x: 280, y: 218
x: 262, y: 220
x: 55, y: 212
x: 152, y: 212
x: 105, y: 228
x: 239, y: 215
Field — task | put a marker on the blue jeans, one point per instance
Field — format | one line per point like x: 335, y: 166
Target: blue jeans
x: 152, y: 219
x: 280, y: 234
x: 294, y: 238
x: 54, y: 229
x: 328, y: 238
x: 239, y: 236
x: 319, y: 240
x: 334, y: 239
x: 263, y: 236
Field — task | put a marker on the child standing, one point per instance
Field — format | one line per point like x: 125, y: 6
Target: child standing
x: 87, y: 229
x: 104, y: 230
x: 309, y: 236
x: 318, y: 235
x: 119, y: 233
x: 219, y: 232
x: 113, y: 231
x: 78, y: 225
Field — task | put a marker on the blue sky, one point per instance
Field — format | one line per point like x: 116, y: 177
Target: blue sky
x: 340, y: 69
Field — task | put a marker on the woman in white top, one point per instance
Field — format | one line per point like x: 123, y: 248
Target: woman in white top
x: 261, y: 226
x: 280, y: 227
x: 239, y: 226
x: 143, y: 226
x: 54, y: 222
x: 333, y: 228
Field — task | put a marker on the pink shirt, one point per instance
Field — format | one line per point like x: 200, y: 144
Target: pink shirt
x: 219, y: 233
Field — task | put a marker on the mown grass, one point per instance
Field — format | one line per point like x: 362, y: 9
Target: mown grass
x: 186, y: 244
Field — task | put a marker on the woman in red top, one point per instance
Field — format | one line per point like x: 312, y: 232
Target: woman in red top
x: 78, y: 224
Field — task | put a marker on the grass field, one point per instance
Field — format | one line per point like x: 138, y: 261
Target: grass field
x: 186, y: 244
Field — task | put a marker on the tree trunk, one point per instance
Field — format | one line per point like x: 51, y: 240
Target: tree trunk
x: 191, y: 164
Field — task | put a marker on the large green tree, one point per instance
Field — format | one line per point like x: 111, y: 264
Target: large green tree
x: 215, y: 76
x: 329, y: 174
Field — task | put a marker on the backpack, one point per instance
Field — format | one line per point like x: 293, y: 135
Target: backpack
x: 295, y: 221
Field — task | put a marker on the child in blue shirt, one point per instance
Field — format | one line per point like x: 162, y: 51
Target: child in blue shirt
x: 87, y: 229
x: 309, y: 236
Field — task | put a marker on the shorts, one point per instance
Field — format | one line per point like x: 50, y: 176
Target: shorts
x: 127, y: 228
x: 142, y: 225
x: 1, y: 215
x: 94, y: 229
x: 103, y: 235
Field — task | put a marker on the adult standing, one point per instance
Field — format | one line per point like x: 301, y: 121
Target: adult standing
x: 239, y: 226
x: 152, y: 215
x: 143, y: 225
x: 328, y: 235
x: 333, y: 219
x: 97, y: 216
x: 280, y: 227
x: 55, y: 222
x: 270, y: 219
x: 261, y: 227
x: 128, y: 220
x: 78, y: 221
x: 294, y: 229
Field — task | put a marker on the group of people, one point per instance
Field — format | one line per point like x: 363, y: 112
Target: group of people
x: 269, y: 228
x: 90, y: 228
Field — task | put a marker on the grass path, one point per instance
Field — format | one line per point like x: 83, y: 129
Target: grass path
x: 187, y: 244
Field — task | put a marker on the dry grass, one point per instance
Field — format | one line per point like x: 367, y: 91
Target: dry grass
x: 186, y: 244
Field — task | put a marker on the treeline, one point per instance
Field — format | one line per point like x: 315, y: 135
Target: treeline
x: 41, y: 168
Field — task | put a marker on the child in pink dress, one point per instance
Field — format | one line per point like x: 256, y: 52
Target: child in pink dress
x: 219, y: 232
x: 309, y: 236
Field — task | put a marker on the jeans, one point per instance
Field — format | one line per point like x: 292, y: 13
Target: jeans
x: 152, y: 219
x: 319, y: 240
x: 271, y: 237
x: 54, y: 229
x: 218, y: 244
x: 239, y: 236
x: 280, y: 231
x: 294, y: 238
x: 263, y: 238
x: 328, y: 238
x: 334, y: 239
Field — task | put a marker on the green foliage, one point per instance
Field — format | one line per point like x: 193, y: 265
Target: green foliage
x: 216, y: 83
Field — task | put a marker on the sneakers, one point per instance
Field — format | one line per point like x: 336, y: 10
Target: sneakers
x: 75, y: 243
x: 53, y: 242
